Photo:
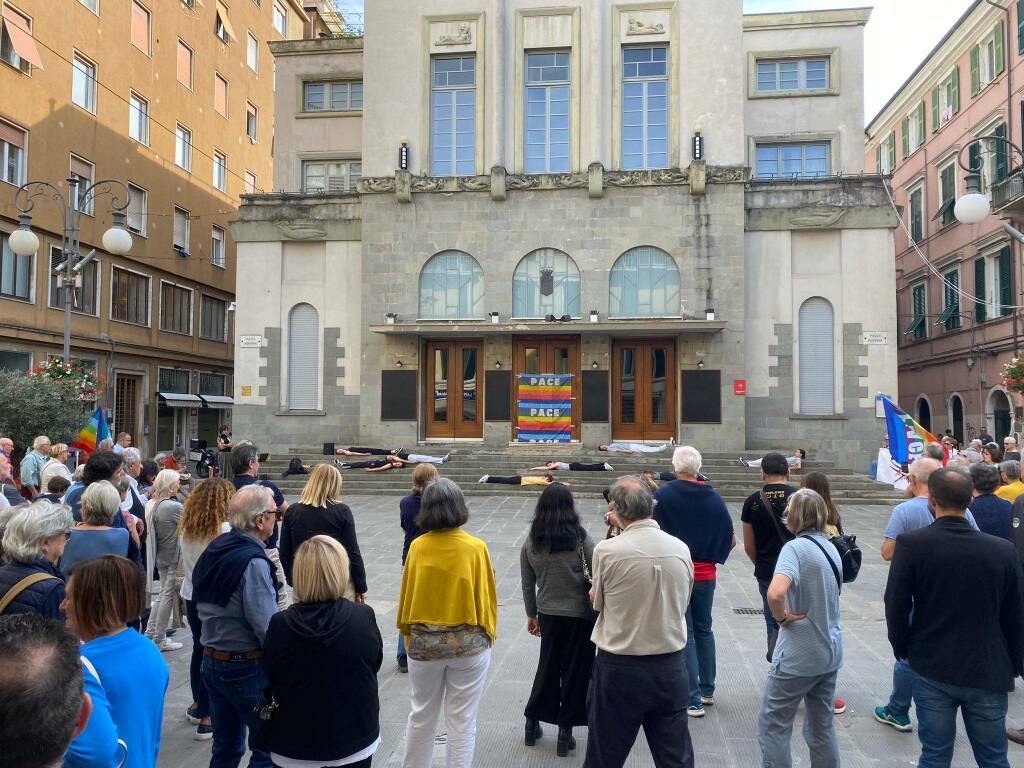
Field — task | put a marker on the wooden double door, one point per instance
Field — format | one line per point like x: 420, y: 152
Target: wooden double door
x: 454, y: 389
x: 548, y: 355
x: 643, y: 389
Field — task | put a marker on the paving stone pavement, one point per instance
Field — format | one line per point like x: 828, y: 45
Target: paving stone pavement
x: 725, y: 738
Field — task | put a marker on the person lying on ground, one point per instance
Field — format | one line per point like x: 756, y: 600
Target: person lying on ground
x: 632, y: 448
x: 575, y: 466
x: 521, y: 480
x: 377, y: 465
x: 401, y: 454
x: 795, y: 461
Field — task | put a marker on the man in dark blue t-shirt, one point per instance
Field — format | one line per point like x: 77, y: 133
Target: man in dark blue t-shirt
x: 245, y: 460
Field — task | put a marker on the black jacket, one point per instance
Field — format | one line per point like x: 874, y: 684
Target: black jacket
x: 321, y: 661
x: 43, y: 597
x: 303, y: 521
x: 964, y: 588
x: 1017, y: 527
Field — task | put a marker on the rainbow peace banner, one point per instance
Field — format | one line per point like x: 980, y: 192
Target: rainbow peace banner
x: 545, y: 407
x: 94, y: 432
x: 907, y: 438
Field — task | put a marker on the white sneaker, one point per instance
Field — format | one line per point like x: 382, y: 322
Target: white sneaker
x: 483, y: 479
x: 608, y: 467
x: 445, y: 458
x: 169, y: 645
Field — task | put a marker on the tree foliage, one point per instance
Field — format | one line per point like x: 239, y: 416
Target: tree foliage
x: 37, y: 405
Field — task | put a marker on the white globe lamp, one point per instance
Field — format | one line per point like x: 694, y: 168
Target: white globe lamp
x: 117, y: 240
x: 23, y: 241
x: 972, y: 208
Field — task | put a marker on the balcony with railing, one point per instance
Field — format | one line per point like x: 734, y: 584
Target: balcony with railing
x: 1008, y: 194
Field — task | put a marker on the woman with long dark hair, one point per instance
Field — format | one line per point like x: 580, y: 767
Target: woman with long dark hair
x: 555, y: 562
x: 818, y: 482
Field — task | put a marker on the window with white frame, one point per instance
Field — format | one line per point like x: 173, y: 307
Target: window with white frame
x: 548, y: 85
x: 129, y: 296
x: 220, y: 170
x: 993, y: 284
x: 138, y: 118
x: 182, y: 229
x: 222, y: 24
x: 453, y: 115
x: 946, y: 99
x: 330, y: 175
x: 451, y: 287
x: 140, y: 31
x: 12, y: 153
x: 83, y: 172
x: 913, y: 130
x: 991, y: 156
x: 645, y: 107
x: 250, y: 183
x: 217, y: 246
x: 137, y: 209
x: 87, y: 287
x: 251, y: 121
x: 322, y: 95
x: 793, y: 161
x: 213, y: 315
x: 281, y: 18
x: 15, y: 35
x: 915, y: 204
x: 252, y: 52
x: 175, y: 308
x: 83, y: 83
x: 15, y: 272
x: 644, y: 282
x: 987, y: 58
x: 776, y: 75
x: 183, y: 147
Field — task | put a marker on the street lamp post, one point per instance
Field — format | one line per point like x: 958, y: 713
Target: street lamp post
x: 116, y: 240
x: 974, y: 206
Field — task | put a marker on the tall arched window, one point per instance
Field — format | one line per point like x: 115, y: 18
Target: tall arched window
x: 303, y: 357
x: 817, y: 350
x: 546, y: 282
x: 644, y: 282
x: 451, y: 287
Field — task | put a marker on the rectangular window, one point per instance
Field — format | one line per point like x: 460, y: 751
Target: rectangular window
x: 140, y: 27
x: 645, y: 107
x: 913, y: 131
x: 220, y: 171
x: 793, y: 161
x: 12, y: 153
x: 547, y: 112
x: 331, y: 175
x: 212, y: 383
x: 212, y: 319
x: 138, y: 118
x: 252, y: 52
x: 946, y: 99
x: 335, y: 96
x: 183, y: 147
x: 17, y: 47
x: 919, y: 325
x: 281, y: 19
x: 83, y: 83
x: 222, y: 24
x: 947, y: 194
x: 220, y: 95
x: 137, y: 210
x: 172, y: 380
x: 950, y: 318
x: 217, y: 247
x: 15, y: 273
x: 250, y: 183
x: 184, y: 66
x: 84, y: 172
x: 992, y: 158
x: 129, y: 297
x: 251, y: 121
x: 175, y: 308
x: 182, y: 225
x: 793, y: 75
x: 916, y: 205
x: 453, y: 116
x: 987, y: 59
x: 86, y: 288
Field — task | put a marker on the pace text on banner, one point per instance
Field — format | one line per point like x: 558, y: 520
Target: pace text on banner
x: 545, y: 407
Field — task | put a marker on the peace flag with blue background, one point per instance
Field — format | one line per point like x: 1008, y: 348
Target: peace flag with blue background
x: 907, y: 438
x: 545, y: 407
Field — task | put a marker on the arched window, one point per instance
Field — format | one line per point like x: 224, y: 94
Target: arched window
x: 956, y: 416
x: 644, y: 282
x: 303, y: 357
x: 546, y: 282
x: 451, y: 287
x: 817, y: 350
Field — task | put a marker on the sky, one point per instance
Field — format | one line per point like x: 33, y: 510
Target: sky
x: 899, y: 35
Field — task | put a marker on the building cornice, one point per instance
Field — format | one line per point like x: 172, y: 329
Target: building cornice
x: 845, y: 17
x: 319, y: 45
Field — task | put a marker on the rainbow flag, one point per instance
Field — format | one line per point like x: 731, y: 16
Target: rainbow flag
x: 545, y: 407
x: 94, y: 432
x: 907, y: 438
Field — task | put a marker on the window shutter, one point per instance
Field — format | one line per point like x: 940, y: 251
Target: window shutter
x: 1005, y: 281
x: 303, y: 357
x: 905, y: 130
x: 935, y: 109
x: 920, y: 124
x: 1001, y: 168
x: 817, y: 347
x: 1020, y: 26
x: 1000, y: 51
x: 979, y: 290
x: 878, y: 160
x: 975, y: 70
x: 956, y: 89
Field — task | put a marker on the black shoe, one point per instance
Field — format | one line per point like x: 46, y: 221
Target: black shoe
x: 533, y: 732
x: 403, y: 664
x: 565, y: 742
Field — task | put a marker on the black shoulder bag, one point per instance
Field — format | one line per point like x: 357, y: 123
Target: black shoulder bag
x: 835, y: 571
x: 588, y: 582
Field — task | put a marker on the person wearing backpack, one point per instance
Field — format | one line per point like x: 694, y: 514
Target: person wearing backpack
x: 764, y: 532
x: 803, y: 598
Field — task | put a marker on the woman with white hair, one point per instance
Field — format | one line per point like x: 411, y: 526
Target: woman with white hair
x: 34, y: 541
x: 55, y: 467
x: 803, y: 597
x: 95, y: 536
x: 163, y: 513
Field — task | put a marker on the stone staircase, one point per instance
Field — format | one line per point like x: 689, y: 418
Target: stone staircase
x: 466, y: 463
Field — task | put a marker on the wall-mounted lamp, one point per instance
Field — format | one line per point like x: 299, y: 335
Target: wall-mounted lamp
x: 403, y: 155
x: 700, y: 364
x: 390, y: 318
x: 698, y: 144
x: 594, y: 365
x: 495, y: 317
x: 399, y: 364
x: 970, y: 363
x: 709, y: 313
x: 593, y: 315
x: 497, y: 363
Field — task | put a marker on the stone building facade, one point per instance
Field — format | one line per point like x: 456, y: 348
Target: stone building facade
x: 595, y: 189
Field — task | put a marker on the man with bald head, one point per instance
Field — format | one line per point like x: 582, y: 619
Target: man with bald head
x: 908, y: 516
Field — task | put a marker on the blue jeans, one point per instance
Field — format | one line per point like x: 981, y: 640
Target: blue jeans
x: 199, y: 694
x: 401, y: 647
x: 700, y: 642
x: 902, y: 688
x: 770, y: 623
x: 236, y: 689
x: 984, y: 715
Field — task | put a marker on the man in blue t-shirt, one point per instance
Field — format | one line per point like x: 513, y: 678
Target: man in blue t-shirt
x: 245, y: 460
x: 908, y: 516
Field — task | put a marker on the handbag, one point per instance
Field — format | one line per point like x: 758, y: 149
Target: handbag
x: 849, y: 556
x: 588, y: 582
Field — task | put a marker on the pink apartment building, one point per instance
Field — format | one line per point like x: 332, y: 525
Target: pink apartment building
x: 958, y: 286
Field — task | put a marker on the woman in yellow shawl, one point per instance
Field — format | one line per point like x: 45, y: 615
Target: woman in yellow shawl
x: 447, y: 613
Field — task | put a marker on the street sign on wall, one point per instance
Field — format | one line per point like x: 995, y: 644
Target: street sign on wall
x: 254, y: 340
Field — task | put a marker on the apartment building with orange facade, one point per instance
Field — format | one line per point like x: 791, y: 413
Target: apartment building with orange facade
x: 175, y: 99
x: 959, y: 286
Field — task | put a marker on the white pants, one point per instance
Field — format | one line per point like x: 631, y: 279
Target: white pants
x: 459, y: 684
x: 163, y: 605
x: 422, y: 458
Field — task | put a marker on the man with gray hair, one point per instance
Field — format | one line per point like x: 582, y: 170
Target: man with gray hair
x: 235, y: 593
x: 641, y: 587
x: 33, y: 462
x: 1012, y: 487
x: 973, y: 451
